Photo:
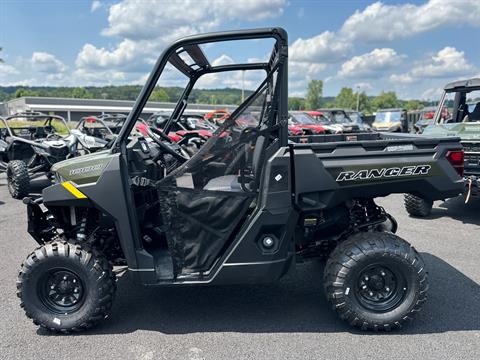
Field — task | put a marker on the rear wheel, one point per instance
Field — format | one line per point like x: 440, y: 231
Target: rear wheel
x: 18, y: 179
x: 417, y: 206
x: 65, y: 287
x: 376, y: 281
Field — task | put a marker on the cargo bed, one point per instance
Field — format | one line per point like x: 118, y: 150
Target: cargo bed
x: 328, y: 169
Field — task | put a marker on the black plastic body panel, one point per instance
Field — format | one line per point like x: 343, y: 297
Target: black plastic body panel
x: 318, y: 183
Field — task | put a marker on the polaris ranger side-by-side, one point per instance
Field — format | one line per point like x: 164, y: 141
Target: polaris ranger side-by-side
x: 463, y: 123
x: 243, y: 209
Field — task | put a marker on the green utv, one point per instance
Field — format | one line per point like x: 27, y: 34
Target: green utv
x: 463, y: 97
x: 245, y: 208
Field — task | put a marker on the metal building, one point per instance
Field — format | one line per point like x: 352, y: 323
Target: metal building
x: 74, y: 109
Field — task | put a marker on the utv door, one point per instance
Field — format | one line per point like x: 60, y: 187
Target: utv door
x: 205, y: 202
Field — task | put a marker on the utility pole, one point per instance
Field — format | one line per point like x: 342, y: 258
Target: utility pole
x: 243, y: 85
x: 358, y: 98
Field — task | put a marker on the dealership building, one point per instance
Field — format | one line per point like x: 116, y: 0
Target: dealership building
x: 74, y: 109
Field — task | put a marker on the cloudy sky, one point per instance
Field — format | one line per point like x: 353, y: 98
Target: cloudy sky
x: 411, y: 47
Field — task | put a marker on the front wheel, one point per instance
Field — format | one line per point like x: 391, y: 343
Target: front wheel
x: 376, y: 281
x: 18, y: 179
x: 64, y: 287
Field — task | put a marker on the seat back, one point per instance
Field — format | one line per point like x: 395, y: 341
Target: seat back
x: 258, y: 158
x: 40, y: 133
x: 475, y: 114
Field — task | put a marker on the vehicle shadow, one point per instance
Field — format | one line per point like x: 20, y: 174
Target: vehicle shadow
x: 455, y: 208
x: 294, y: 304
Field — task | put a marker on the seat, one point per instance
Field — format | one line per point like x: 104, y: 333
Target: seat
x: 231, y: 182
x: 224, y: 183
x: 475, y: 114
x: 40, y: 133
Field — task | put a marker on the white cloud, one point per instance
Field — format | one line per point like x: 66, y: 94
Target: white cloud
x: 372, y: 64
x: 447, y: 62
x: 300, y: 73
x: 47, y: 63
x: 325, y: 47
x: 298, y: 68
x: 401, y: 78
x: 93, y: 57
x: 7, y: 70
x: 381, y: 22
x: 222, y: 60
x: 432, y: 93
x: 96, y: 4
x: 231, y: 79
x: 363, y: 86
x: 148, y: 20
x: 146, y: 27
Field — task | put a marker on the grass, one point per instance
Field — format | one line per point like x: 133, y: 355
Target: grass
x: 57, y: 124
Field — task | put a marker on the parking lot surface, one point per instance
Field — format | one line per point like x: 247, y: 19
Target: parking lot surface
x: 289, y: 319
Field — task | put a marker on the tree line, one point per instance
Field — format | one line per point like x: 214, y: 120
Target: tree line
x: 347, y: 98
x: 125, y: 92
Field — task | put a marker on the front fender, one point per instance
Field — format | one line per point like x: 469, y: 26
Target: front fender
x: 38, y: 225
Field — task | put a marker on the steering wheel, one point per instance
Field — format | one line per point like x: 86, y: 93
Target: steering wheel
x: 156, y: 134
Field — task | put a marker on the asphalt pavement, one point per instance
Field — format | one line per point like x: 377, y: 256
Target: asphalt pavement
x: 289, y: 319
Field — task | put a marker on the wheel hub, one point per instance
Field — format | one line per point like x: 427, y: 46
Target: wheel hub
x: 63, y: 291
x: 379, y: 288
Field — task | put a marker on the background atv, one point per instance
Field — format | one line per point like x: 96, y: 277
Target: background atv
x: 31, y: 143
x: 340, y: 118
x: 463, y: 123
x: 189, y: 131
x: 391, y: 120
x: 308, y: 125
x: 244, y: 209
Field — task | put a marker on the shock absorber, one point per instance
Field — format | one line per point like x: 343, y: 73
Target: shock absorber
x: 81, y: 233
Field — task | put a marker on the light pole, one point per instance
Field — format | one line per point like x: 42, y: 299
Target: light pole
x: 358, y: 98
x: 243, y: 85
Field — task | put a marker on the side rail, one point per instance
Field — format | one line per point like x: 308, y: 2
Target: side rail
x: 310, y: 139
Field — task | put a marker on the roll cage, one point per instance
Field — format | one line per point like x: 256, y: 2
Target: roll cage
x: 200, y: 65
x: 460, y: 107
x: 30, y: 116
x: 108, y: 122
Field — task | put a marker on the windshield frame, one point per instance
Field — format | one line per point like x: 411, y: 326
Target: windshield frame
x: 384, y: 120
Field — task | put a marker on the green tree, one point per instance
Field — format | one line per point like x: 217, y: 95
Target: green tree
x: 1, y: 60
x: 81, y: 93
x: 159, y: 94
x: 385, y: 100
x: 314, y: 94
x: 296, y: 103
x: 413, y: 105
x: 21, y: 92
x: 346, y: 99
